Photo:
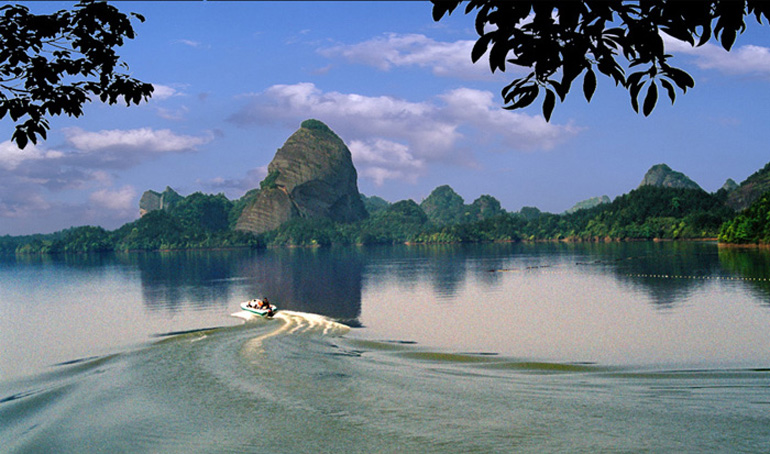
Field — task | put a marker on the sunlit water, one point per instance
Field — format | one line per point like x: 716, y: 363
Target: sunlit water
x: 503, y: 348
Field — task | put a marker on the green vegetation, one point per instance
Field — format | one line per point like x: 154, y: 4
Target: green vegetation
x: 444, y: 206
x: 374, y: 204
x: 315, y: 124
x: 750, y: 226
x: 207, y: 221
x: 269, y: 181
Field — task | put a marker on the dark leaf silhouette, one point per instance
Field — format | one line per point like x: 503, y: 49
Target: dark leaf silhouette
x: 558, y: 40
x: 51, y: 64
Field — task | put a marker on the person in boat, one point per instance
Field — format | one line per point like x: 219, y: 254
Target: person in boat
x: 263, y: 304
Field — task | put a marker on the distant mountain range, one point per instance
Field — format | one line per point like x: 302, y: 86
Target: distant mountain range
x: 310, y: 197
x: 312, y: 176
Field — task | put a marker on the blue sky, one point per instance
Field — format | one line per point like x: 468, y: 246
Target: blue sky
x: 235, y: 79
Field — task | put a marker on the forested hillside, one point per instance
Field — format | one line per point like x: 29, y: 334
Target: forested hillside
x: 207, y: 221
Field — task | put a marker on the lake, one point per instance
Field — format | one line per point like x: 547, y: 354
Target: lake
x: 618, y: 347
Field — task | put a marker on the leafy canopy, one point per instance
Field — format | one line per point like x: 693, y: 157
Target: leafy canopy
x: 561, y: 40
x: 50, y: 64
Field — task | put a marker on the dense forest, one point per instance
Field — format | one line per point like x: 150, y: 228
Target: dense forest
x: 752, y: 226
x: 207, y: 221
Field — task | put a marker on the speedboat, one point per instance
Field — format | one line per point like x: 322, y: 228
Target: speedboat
x: 255, y: 307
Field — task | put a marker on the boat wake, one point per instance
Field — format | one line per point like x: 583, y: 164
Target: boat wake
x: 291, y: 323
x: 298, y: 323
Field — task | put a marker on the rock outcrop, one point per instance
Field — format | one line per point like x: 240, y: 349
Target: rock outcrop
x: 588, y: 203
x: 152, y: 200
x: 661, y: 175
x: 311, y: 176
x: 750, y: 190
x: 729, y: 186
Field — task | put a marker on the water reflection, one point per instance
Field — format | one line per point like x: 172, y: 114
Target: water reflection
x: 752, y: 265
x: 325, y: 281
x: 668, y: 273
x: 329, y: 281
x: 172, y: 279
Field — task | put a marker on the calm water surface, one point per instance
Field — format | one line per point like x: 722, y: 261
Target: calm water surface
x: 643, y: 347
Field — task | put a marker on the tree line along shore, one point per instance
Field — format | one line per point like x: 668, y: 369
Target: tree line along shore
x: 203, y: 221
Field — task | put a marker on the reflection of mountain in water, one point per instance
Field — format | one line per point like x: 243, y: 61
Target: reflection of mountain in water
x: 752, y: 265
x: 329, y: 281
x: 323, y: 281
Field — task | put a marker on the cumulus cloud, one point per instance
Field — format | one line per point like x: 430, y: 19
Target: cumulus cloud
x: 121, y: 200
x: 402, y: 50
x: 381, y: 160
x: 33, y: 180
x: 743, y: 60
x: 125, y: 148
x: 143, y: 139
x: 11, y: 156
x: 393, y: 138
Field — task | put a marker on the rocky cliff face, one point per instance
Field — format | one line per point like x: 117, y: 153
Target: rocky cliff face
x: 312, y: 175
x: 152, y: 200
x: 661, y: 175
x: 750, y: 190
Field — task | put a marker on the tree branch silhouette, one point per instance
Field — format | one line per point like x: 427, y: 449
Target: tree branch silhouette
x: 561, y: 40
x: 51, y: 64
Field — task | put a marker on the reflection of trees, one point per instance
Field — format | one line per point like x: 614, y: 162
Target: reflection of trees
x: 666, y: 272
x: 329, y: 281
x: 444, y: 266
x: 169, y: 279
x: 751, y: 264
x: 324, y: 281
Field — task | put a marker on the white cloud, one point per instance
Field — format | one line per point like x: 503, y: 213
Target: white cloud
x: 401, y: 136
x: 510, y: 129
x: 34, y: 182
x: 121, y: 200
x: 742, y: 60
x: 381, y: 160
x: 11, y: 156
x: 175, y: 114
x: 189, y: 42
x: 447, y: 59
x: 140, y: 140
x: 164, y: 91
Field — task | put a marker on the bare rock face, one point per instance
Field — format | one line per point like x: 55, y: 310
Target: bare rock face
x: 311, y: 176
x: 661, y: 175
x: 152, y: 200
x: 750, y: 190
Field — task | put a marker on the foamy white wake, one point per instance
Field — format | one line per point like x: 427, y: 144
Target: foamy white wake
x: 292, y: 323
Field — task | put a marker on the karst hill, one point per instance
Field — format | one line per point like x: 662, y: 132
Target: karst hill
x: 311, y: 176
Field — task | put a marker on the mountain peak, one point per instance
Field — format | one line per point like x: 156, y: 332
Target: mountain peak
x: 311, y: 176
x: 661, y: 175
